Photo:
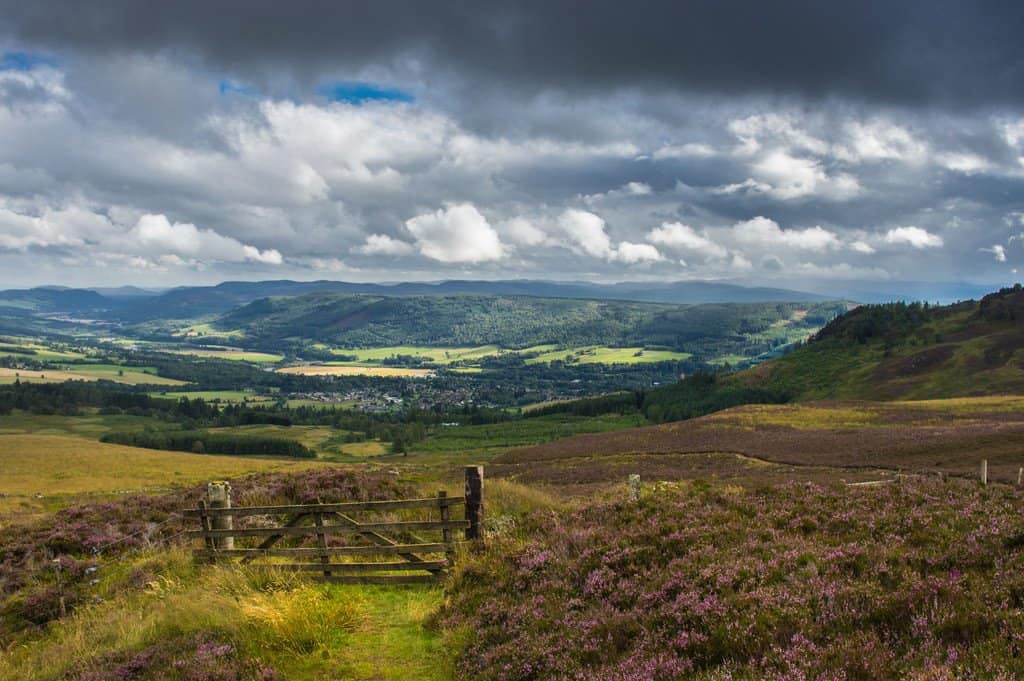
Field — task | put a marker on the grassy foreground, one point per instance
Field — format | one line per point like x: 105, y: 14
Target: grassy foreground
x: 164, y: 617
x: 140, y: 608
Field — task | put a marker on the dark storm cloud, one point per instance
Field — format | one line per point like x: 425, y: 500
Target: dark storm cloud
x: 959, y: 53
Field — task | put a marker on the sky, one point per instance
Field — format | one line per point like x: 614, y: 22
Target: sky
x: 793, y: 143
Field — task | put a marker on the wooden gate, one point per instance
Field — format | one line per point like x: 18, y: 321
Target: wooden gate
x: 370, y: 542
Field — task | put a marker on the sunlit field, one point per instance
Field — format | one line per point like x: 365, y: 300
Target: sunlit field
x: 324, y: 370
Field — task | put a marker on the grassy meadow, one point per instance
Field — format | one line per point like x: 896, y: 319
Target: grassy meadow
x: 226, y: 396
x: 46, y: 471
x: 232, y: 353
x: 353, y: 370
x: 441, y: 356
x: 536, y: 354
x: 29, y: 348
x: 596, y: 354
x: 88, y: 372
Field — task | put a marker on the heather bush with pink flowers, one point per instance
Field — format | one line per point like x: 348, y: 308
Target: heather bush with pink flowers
x: 923, y: 581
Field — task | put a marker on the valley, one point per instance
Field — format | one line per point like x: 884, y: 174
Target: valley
x: 849, y: 462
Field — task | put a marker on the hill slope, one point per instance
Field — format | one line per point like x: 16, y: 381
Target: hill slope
x: 518, y: 321
x: 877, y: 352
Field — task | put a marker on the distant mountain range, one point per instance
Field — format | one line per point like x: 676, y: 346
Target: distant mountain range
x: 137, y: 304
x: 134, y: 304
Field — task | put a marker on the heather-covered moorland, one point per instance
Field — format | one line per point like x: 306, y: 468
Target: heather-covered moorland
x: 799, y: 581
x: 772, y: 443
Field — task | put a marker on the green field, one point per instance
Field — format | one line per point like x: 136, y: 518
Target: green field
x: 319, y: 404
x: 233, y: 396
x: 40, y: 352
x: 480, y: 439
x: 232, y: 353
x: 96, y: 372
x: 62, y: 467
x: 340, y: 369
x: 89, y: 427
x: 598, y: 354
x: 442, y: 356
x: 201, y: 329
x: 311, y: 436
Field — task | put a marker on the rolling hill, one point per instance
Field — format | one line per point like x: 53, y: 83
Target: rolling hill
x: 877, y: 352
x: 519, y: 322
x: 46, y: 299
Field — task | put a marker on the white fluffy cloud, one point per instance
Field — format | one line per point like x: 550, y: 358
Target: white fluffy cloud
x: 521, y: 231
x: 861, y: 246
x: 159, y: 236
x: 586, y: 231
x: 631, y: 253
x: 762, y: 231
x: 774, y: 130
x: 683, y: 237
x: 964, y: 162
x: 457, y: 233
x: 998, y: 251
x: 53, y: 228
x: 912, y: 236
x: 790, y: 177
x: 878, y: 140
x: 382, y: 244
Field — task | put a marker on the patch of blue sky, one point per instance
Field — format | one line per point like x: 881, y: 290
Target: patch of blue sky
x: 24, y: 61
x: 228, y: 87
x: 358, y: 92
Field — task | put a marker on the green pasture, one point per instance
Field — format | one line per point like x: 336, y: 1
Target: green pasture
x: 599, y: 354
x: 232, y: 396
x: 435, y: 355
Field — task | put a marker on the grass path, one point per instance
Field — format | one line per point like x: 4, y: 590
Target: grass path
x: 393, y: 643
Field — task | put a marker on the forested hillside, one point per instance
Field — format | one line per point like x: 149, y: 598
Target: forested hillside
x: 516, y: 321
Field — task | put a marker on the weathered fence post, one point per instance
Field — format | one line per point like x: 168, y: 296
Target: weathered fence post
x: 1020, y: 476
x: 634, y: 487
x: 321, y: 542
x: 61, y: 605
x: 219, y: 494
x: 984, y: 471
x: 475, y: 502
x: 446, y: 532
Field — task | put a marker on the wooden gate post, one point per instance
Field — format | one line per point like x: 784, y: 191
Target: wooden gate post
x: 219, y: 494
x: 446, y: 533
x: 475, y: 502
